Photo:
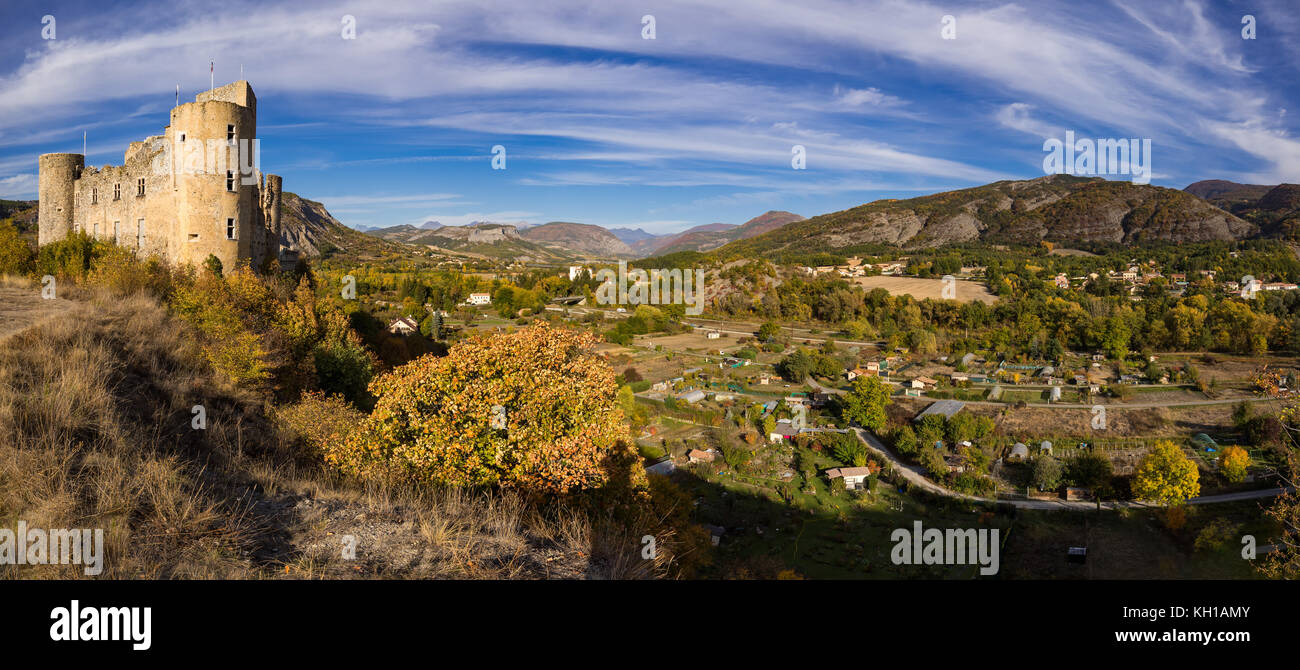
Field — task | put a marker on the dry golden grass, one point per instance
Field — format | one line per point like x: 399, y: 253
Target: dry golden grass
x: 920, y: 288
x: 92, y: 406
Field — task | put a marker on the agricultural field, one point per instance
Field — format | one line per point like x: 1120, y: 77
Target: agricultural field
x: 920, y: 289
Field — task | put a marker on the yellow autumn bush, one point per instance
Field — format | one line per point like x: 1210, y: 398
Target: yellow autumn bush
x: 436, y: 419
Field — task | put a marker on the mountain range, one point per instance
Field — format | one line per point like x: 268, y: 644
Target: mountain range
x: 1057, y: 208
x: 559, y: 240
x: 1274, y: 209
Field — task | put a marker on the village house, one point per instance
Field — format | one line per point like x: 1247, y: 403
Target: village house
x: 712, y: 335
x: 784, y: 431
x: 1062, y: 281
x: 924, y: 383
x: 854, y: 478
x: 403, y: 326
x: 697, y: 456
x: 479, y: 299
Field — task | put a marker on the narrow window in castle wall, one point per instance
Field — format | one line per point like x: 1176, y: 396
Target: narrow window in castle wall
x: 115, y: 225
x: 230, y: 229
x: 139, y: 234
x: 94, y: 196
x: 96, y: 233
x: 230, y: 133
x: 139, y: 187
x: 117, y: 191
x: 230, y: 180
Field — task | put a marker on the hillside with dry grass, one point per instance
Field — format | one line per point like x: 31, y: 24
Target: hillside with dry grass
x: 96, y: 409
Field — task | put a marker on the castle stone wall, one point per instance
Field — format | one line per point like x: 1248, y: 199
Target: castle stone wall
x: 196, y: 177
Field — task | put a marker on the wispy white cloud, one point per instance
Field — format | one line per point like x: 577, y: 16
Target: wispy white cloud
x: 18, y: 186
x: 870, y: 88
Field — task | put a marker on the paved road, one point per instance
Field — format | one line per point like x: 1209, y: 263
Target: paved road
x: 915, y: 475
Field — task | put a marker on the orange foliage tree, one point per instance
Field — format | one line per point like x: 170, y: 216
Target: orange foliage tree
x: 532, y: 409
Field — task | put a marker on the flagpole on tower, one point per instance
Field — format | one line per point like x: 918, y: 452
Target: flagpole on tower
x: 211, y: 83
x: 178, y: 95
x: 83, y: 144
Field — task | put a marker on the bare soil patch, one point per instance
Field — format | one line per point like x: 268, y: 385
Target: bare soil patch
x: 967, y: 291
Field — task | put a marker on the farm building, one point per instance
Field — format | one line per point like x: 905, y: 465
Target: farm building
x: 944, y: 408
x: 691, y: 396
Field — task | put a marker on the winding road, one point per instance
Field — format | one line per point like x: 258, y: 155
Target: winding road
x: 915, y: 475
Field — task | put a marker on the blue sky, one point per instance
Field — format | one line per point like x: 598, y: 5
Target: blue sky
x: 693, y: 127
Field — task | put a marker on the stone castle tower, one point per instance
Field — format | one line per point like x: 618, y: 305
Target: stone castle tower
x: 191, y: 192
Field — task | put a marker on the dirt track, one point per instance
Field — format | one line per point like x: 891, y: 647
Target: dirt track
x: 20, y: 308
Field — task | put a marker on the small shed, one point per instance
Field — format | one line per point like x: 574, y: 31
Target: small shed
x: 1019, y: 452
